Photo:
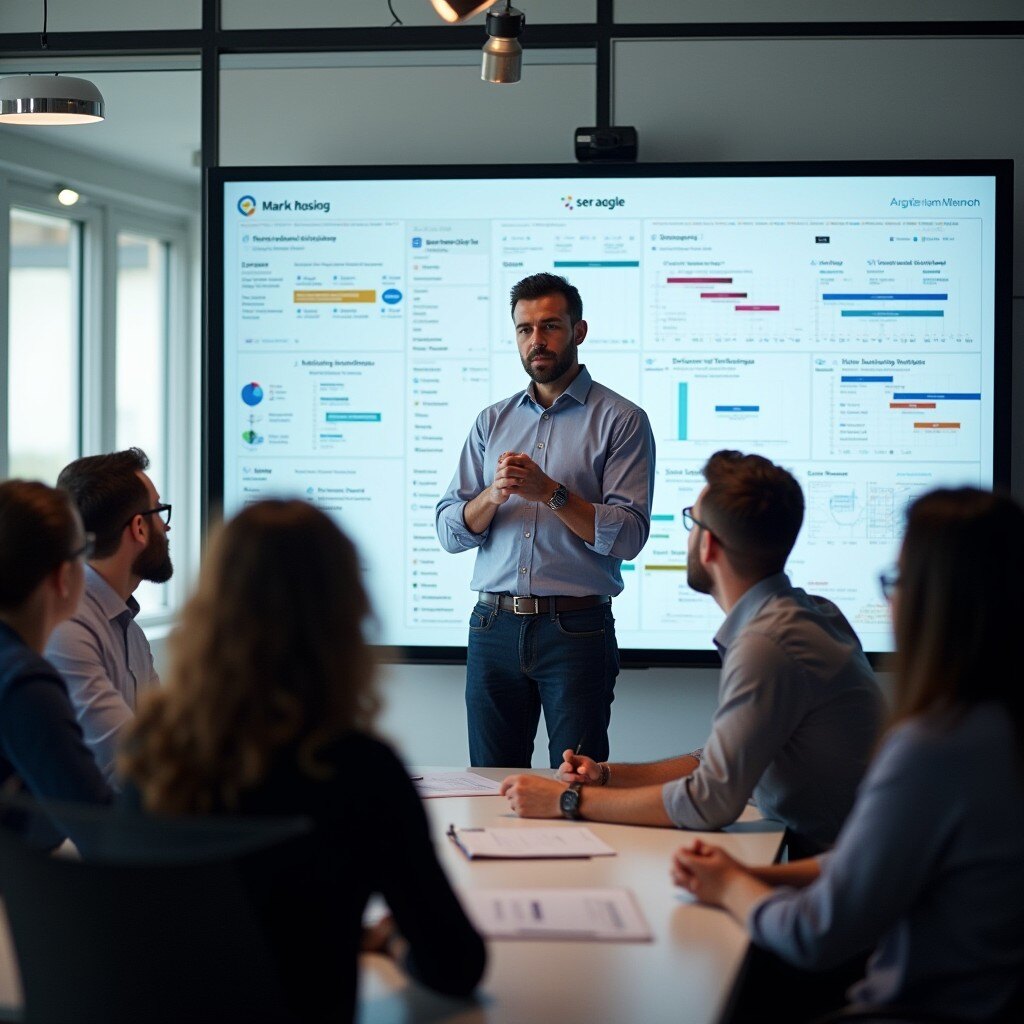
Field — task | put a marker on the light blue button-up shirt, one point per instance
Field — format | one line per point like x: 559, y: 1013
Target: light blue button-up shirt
x: 595, y: 442
x: 106, y: 663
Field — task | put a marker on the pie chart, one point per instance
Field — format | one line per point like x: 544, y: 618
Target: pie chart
x: 252, y: 394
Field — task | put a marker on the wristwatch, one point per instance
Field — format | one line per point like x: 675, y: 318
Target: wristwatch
x: 569, y: 802
x: 560, y: 498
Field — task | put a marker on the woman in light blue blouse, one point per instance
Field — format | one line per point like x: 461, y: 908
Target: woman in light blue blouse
x: 929, y: 867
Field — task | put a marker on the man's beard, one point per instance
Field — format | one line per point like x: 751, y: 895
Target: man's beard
x: 697, y: 577
x: 555, y: 370
x: 154, y: 563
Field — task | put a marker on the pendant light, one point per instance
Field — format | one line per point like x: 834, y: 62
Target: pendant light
x: 49, y: 99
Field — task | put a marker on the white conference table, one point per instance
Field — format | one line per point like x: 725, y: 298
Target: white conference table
x: 685, y: 976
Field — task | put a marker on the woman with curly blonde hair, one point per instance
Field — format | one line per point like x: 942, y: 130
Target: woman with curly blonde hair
x: 268, y: 709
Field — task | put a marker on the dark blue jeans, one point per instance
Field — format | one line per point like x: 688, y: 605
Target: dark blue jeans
x: 517, y: 664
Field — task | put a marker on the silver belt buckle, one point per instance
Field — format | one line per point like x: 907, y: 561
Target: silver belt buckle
x: 517, y: 610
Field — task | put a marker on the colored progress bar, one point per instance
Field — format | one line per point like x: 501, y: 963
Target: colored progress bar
x: 886, y: 296
x: 697, y: 280
x: 614, y: 264
x: 891, y: 312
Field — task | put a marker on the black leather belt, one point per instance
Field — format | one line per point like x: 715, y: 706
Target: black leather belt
x: 542, y: 605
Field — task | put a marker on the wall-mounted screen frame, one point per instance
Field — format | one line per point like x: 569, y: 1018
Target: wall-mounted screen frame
x: 850, y: 320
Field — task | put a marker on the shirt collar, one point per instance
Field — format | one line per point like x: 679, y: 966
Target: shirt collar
x: 577, y: 390
x: 749, y: 605
x: 108, y: 599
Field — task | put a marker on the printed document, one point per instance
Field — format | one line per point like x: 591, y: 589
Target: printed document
x: 455, y: 784
x: 599, y: 914
x: 557, y: 841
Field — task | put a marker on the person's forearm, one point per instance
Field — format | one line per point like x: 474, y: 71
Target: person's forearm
x: 741, y: 893
x: 638, y: 806
x: 578, y: 516
x: 478, y: 513
x: 654, y: 773
x: 797, y: 873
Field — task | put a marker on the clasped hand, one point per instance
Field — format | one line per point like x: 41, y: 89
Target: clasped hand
x: 704, y: 870
x: 518, y: 474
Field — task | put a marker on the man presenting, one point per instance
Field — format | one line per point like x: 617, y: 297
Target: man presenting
x: 798, y: 710
x: 554, y: 490
x: 101, y: 651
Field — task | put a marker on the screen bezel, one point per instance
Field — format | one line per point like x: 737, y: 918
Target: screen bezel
x: 213, y: 334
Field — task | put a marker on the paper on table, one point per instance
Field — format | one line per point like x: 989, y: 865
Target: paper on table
x: 558, y: 841
x: 455, y: 784
x: 599, y: 914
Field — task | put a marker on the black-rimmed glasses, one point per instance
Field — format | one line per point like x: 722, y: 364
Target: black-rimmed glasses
x: 163, y: 511
x: 690, y: 520
x: 86, y: 550
x: 889, y: 582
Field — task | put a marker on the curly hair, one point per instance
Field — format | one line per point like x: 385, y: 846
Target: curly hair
x: 268, y: 657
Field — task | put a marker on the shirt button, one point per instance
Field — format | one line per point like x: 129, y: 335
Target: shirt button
x: 546, y: 416
x: 540, y: 444
x: 527, y: 534
x: 523, y: 570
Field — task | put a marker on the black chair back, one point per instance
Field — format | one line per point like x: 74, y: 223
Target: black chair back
x: 154, y: 923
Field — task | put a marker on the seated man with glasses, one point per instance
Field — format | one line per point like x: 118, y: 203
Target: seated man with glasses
x: 102, y: 652
x: 799, y: 708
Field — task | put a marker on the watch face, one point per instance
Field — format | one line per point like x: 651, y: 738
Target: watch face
x: 560, y: 498
x: 570, y: 803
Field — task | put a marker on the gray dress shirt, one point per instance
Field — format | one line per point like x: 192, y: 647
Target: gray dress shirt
x: 929, y: 869
x: 106, y: 663
x: 799, y: 711
x: 595, y: 442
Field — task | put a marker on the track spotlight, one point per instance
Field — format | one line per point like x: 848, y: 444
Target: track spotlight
x: 503, y: 56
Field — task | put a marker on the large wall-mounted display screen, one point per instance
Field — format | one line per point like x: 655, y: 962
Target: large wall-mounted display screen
x: 850, y: 321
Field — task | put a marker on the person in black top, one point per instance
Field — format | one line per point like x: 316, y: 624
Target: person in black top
x: 42, y: 550
x: 268, y: 709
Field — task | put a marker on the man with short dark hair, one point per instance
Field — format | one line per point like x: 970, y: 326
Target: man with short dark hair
x: 102, y: 652
x: 553, y: 490
x: 799, y: 708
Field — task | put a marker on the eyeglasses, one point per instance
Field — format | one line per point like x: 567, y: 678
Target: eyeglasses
x: 86, y: 550
x: 163, y: 511
x: 889, y: 581
x: 690, y: 520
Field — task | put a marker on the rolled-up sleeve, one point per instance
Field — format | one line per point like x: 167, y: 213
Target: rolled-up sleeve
x: 622, y: 520
x: 468, y: 482
x: 758, y: 709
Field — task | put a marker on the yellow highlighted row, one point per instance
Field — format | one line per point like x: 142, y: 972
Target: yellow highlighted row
x: 336, y: 295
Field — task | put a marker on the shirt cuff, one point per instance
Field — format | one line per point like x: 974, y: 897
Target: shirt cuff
x: 607, y: 527
x: 458, y: 532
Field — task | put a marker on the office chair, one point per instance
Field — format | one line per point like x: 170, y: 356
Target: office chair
x: 154, y: 923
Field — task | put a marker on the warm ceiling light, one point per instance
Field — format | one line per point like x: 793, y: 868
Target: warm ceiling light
x: 503, y: 56
x: 67, y: 196
x: 455, y: 11
x: 49, y: 99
